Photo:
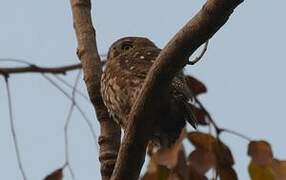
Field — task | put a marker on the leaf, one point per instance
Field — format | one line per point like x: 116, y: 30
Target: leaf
x: 156, y: 172
x: 181, y: 170
x: 276, y: 170
x: 262, y: 165
x: 279, y: 169
x: 227, y: 173
x: 56, y: 175
x: 201, y: 160
x: 223, y: 154
x: 259, y: 172
x: 167, y: 163
x: 202, y: 140
x: 260, y: 152
x: 194, y: 175
x: 225, y: 162
x: 195, y: 85
x: 200, y: 115
x: 211, y: 152
x: 169, y: 156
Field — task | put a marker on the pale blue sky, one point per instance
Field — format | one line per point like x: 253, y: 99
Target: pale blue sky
x: 244, y: 69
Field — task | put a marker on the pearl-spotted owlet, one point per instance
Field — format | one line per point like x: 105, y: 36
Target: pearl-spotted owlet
x: 128, y: 62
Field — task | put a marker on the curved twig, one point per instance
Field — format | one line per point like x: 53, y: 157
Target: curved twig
x: 88, y: 122
x: 12, y: 126
x: 67, y: 122
x: 72, y: 87
x: 197, y: 59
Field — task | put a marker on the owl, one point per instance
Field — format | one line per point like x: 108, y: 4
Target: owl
x: 128, y: 61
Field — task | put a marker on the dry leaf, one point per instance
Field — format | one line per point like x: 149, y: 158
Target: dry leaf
x: 211, y: 152
x: 258, y: 172
x: 227, y: 173
x: 202, y: 140
x: 260, y: 152
x: 195, y: 85
x: 201, y: 160
x: 181, y: 170
x: 225, y: 162
x: 156, y: 172
x: 279, y: 169
x: 223, y: 155
x: 200, y: 115
x: 194, y: 175
x: 169, y: 156
x: 56, y: 175
x: 263, y: 166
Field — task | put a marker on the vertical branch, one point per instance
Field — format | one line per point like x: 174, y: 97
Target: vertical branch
x: 12, y: 126
x: 109, y: 139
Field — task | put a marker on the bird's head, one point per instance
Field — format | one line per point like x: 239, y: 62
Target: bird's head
x: 126, y: 44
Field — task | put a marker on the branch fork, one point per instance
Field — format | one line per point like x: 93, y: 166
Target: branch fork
x: 213, y: 15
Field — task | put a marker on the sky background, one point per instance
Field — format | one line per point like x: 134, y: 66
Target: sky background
x: 244, y: 70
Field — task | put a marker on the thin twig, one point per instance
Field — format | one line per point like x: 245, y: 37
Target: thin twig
x: 236, y: 133
x: 88, y: 122
x: 217, y: 128
x: 67, y: 122
x: 67, y: 161
x: 197, y: 59
x: 210, y: 119
x: 70, y: 86
x: 12, y: 126
x: 16, y: 60
x: 33, y: 68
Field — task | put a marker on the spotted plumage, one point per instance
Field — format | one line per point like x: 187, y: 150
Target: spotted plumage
x: 128, y: 62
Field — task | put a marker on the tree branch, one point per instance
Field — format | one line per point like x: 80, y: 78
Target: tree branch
x: 172, y: 58
x: 38, y: 69
x: 109, y: 139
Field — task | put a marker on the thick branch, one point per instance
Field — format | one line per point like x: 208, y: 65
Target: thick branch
x: 109, y: 139
x: 38, y: 69
x: 172, y: 58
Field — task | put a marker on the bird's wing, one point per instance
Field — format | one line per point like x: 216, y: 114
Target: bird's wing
x: 184, y: 98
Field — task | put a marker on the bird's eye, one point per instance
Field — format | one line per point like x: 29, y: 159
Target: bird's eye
x: 126, y: 47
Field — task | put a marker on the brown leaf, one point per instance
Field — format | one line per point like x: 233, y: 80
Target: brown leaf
x: 202, y: 140
x: 223, y: 155
x: 194, y: 175
x: 211, y: 152
x: 181, y: 170
x: 262, y: 165
x: 227, y: 173
x: 258, y: 172
x: 56, y: 175
x: 276, y: 170
x: 201, y: 160
x: 169, y: 156
x: 156, y: 172
x: 173, y: 176
x: 224, y: 162
x: 167, y: 163
x: 200, y: 115
x: 261, y: 152
x: 195, y: 85
x: 279, y: 169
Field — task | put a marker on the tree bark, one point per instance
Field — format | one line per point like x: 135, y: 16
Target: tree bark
x: 109, y: 139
